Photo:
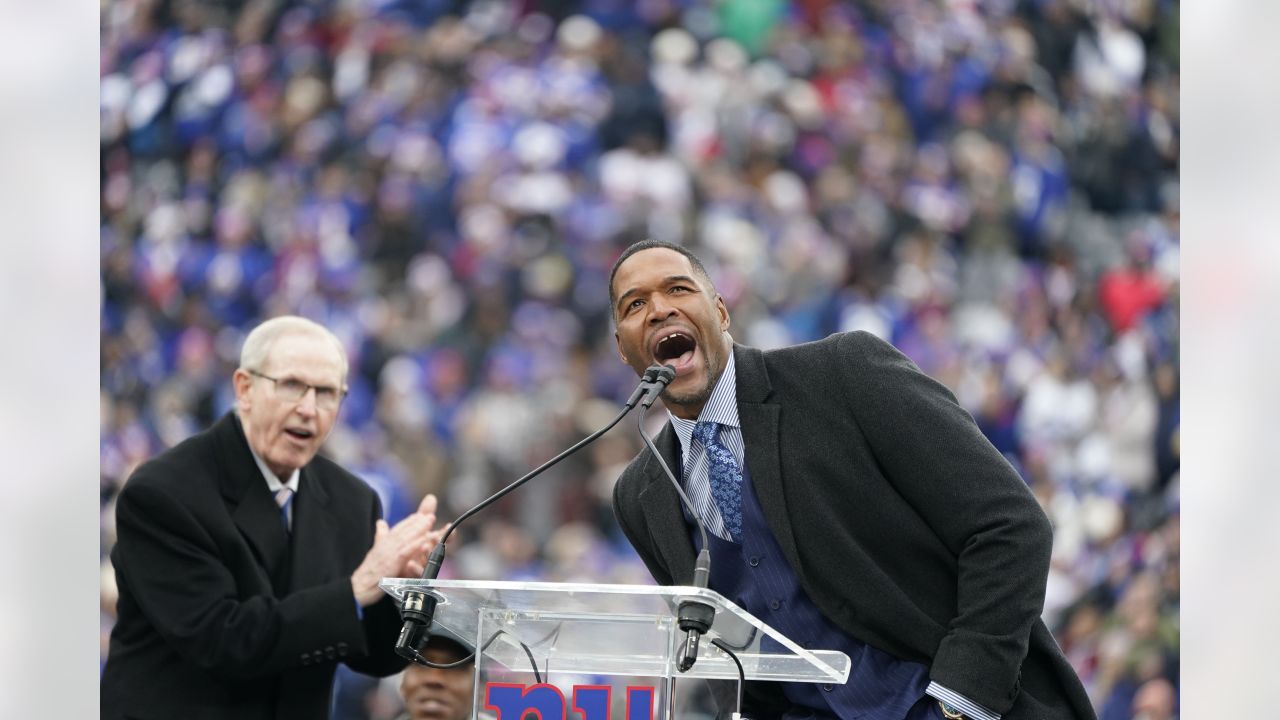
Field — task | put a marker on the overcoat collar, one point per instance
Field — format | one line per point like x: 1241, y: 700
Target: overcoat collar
x: 256, y: 514
x: 759, y: 418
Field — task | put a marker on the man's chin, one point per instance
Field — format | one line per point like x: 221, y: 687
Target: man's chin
x: 285, y: 463
x: 686, y: 398
x: 436, y: 710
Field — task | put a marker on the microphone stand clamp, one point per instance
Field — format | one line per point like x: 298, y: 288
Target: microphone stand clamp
x: 694, y: 618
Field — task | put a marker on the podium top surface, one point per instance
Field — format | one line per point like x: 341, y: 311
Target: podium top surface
x: 612, y: 629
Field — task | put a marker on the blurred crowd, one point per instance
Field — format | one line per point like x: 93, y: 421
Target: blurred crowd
x: 991, y: 185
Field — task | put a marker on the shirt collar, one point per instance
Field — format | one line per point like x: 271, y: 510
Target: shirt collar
x: 721, y: 407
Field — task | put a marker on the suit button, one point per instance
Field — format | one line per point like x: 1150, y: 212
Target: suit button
x: 827, y: 687
x: 754, y: 561
x: 774, y: 604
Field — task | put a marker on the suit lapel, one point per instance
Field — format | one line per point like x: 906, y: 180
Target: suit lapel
x: 662, y: 509
x: 761, y: 435
x: 249, y: 501
x: 314, y: 528
x: 259, y: 521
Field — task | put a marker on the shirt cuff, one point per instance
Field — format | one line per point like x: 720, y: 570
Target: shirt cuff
x: 960, y: 702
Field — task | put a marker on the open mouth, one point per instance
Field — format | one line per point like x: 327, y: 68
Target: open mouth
x: 674, y: 347
x: 299, y: 434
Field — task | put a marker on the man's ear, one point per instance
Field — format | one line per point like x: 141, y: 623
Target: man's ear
x: 618, y: 341
x: 243, y: 382
x: 724, y: 312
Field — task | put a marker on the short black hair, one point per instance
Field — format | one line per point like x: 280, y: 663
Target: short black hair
x: 443, y: 642
x: 649, y: 245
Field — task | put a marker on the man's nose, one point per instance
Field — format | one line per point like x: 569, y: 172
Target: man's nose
x: 307, y: 403
x: 660, y: 308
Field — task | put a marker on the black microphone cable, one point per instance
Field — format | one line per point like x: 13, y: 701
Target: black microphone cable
x: 693, y: 616
x: 418, y: 608
x: 742, y: 676
x: 421, y: 659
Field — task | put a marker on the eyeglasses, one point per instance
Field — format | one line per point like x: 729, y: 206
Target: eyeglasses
x: 293, y: 390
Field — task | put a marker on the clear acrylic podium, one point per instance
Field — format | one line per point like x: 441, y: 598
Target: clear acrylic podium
x: 586, y: 632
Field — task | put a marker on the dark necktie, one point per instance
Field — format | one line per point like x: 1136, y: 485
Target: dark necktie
x: 284, y: 498
x: 725, y: 476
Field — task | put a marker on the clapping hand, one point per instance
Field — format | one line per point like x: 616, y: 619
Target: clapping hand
x: 399, y: 551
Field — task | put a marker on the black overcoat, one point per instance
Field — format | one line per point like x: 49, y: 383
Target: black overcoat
x: 222, y: 614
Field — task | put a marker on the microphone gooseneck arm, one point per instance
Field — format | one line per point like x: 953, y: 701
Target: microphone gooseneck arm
x: 701, y: 570
x: 639, y: 392
x: 418, y: 607
x: 694, y: 617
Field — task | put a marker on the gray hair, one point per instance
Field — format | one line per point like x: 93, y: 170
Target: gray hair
x: 257, y: 346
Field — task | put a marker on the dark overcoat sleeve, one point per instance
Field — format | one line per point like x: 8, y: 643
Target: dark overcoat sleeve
x: 933, y: 454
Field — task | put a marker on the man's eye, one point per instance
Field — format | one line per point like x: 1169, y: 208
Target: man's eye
x: 294, y: 386
x: 326, y: 392
x: 634, y: 304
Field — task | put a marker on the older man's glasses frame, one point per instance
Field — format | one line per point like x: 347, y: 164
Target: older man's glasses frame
x: 293, y: 390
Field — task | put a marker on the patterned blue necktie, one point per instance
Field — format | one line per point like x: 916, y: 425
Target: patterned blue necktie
x: 725, y: 476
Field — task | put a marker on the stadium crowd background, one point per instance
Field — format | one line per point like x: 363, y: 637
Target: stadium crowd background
x: 990, y: 185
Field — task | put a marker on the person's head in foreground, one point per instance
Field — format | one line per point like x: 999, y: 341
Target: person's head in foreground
x: 435, y: 693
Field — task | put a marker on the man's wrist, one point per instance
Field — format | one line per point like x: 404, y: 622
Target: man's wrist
x: 363, y: 593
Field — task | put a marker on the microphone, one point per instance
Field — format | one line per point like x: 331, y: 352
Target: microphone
x: 418, y: 608
x: 693, y: 616
x: 662, y: 376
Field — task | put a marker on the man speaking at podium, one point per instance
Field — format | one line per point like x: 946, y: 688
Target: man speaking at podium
x: 850, y: 503
x: 248, y: 567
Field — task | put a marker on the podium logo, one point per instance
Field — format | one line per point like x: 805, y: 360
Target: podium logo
x: 513, y: 702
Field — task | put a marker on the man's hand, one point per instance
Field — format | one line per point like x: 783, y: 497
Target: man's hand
x: 399, y: 551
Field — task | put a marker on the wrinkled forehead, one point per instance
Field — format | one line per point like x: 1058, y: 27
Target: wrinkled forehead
x: 312, y: 357
x: 652, y: 266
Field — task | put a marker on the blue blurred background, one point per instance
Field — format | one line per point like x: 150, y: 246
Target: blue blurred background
x: 991, y: 185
